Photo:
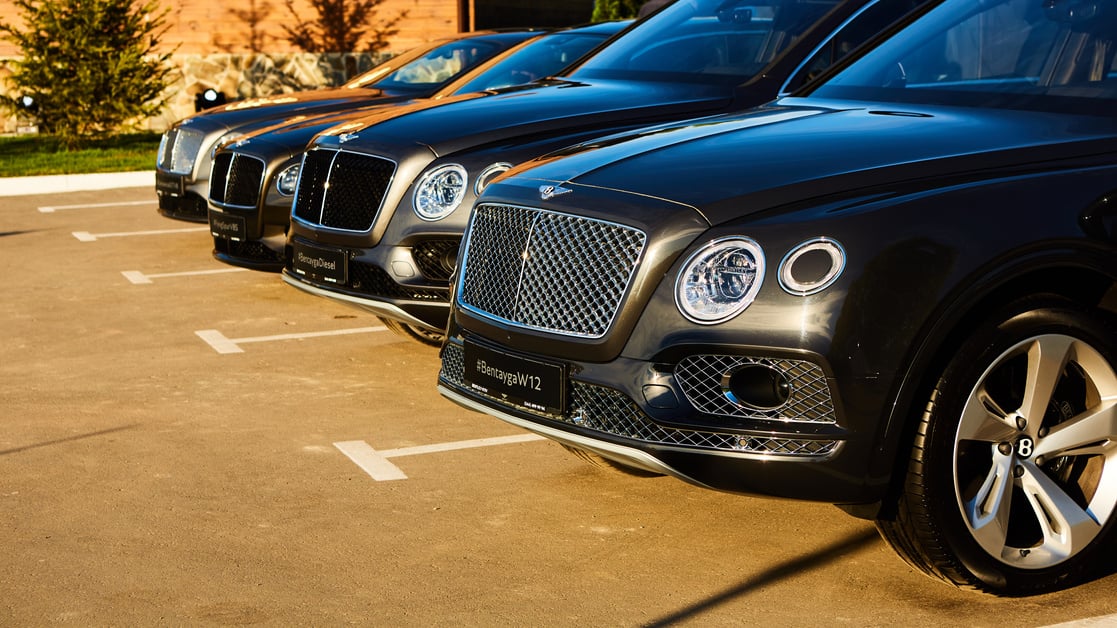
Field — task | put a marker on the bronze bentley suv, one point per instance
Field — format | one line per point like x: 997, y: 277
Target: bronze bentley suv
x: 894, y: 290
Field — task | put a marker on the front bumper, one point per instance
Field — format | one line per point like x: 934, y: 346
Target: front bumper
x: 409, y: 284
x: 623, y: 411
x: 179, y: 198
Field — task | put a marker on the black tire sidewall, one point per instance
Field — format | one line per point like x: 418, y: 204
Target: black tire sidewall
x: 1020, y: 321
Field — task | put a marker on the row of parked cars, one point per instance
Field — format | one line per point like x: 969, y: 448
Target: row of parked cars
x: 854, y: 251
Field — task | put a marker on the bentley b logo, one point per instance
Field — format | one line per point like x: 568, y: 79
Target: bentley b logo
x: 547, y: 192
x: 345, y: 137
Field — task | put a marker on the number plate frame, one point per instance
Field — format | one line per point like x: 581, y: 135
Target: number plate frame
x: 528, y: 383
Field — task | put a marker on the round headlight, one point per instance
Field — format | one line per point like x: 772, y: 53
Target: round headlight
x: 811, y: 266
x: 720, y: 280
x: 287, y: 180
x: 488, y: 174
x: 439, y: 191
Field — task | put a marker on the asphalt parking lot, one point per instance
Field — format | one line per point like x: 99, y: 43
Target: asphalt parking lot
x: 185, y: 443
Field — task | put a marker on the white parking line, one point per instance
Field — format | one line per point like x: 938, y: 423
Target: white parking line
x: 85, y: 236
x: 139, y: 277
x: 222, y: 344
x: 375, y: 463
x: 51, y: 209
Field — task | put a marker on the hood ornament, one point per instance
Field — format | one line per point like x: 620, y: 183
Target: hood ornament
x: 345, y: 137
x: 547, y: 192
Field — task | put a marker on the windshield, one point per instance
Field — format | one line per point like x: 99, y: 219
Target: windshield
x: 543, y: 57
x: 1052, y: 55
x: 711, y: 41
x: 436, y: 67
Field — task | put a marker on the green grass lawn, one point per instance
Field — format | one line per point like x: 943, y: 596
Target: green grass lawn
x: 28, y: 155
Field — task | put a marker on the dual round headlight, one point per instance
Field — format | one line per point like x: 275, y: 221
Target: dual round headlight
x: 723, y: 277
x: 440, y: 191
x: 720, y: 280
x: 288, y: 180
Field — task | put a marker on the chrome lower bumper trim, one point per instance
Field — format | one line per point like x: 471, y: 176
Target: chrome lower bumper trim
x: 618, y: 453
x: 378, y: 308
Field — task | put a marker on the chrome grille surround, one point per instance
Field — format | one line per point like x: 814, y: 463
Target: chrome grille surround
x: 611, y: 412
x: 547, y: 271
x: 700, y: 377
x: 178, y: 150
x: 236, y: 180
x: 341, y: 189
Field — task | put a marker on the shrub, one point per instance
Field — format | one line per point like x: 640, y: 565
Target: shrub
x: 89, y: 65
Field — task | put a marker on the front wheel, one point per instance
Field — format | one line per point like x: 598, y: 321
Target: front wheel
x: 1011, y: 485
x: 429, y: 338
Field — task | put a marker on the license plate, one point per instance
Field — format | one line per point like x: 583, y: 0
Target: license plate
x: 533, y: 384
x: 169, y: 184
x: 225, y: 226
x: 318, y: 264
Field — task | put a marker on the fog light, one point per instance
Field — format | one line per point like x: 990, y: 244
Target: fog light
x: 756, y: 386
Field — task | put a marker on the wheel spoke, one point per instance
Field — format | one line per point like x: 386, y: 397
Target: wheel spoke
x: 988, y: 512
x: 983, y: 420
x: 1090, y: 433
x: 1046, y: 358
x: 1067, y: 527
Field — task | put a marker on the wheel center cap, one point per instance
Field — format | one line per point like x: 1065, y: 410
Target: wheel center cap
x: 1025, y: 447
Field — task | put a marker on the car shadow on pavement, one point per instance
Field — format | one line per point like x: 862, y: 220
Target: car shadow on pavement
x: 837, y: 550
x: 56, y: 441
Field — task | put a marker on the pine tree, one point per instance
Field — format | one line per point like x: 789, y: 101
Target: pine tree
x: 340, y: 26
x: 89, y: 65
x: 607, y: 10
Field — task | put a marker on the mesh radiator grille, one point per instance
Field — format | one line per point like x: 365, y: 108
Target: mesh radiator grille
x: 341, y: 190
x: 548, y: 271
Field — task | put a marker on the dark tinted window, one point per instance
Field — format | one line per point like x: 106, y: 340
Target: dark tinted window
x: 1036, y: 54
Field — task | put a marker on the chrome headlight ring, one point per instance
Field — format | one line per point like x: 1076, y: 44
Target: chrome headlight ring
x: 287, y: 180
x: 811, y: 266
x: 720, y: 280
x: 439, y: 192
x: 488, y: 174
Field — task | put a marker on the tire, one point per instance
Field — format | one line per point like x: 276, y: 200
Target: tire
x: 601, y: 461
x: 429, y: 338
x: 999, y: 500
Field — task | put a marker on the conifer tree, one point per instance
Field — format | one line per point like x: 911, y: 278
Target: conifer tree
x: 607, y: 10
x: 88, y: 66
x: 341, y: 26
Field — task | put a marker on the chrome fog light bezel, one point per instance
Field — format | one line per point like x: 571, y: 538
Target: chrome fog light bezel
x: 797, y: 287
x: 430, y: 200
x: 286, y: 182
x: 700, y: 272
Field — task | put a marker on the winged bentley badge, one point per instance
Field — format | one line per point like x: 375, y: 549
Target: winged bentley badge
x: 345, y: 137
x: 547, y: 192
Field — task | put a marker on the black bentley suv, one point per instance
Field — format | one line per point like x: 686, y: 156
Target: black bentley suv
x: 254, y: 177
x: 184, y: 160
x: 894, y: 290
x: 381, y: 203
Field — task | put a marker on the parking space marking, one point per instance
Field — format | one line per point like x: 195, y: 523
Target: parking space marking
x: 371, y: 462
x: 222, y: 344
x: 85, y: 236
x: 49, y: 209
x: 139, y: 277
x: 376, y: 465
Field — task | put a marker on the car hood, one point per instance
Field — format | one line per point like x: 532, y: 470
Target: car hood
x: 290, y: 136
x: 797, y: 150
x: 539, y: 109
x: 280, y: 106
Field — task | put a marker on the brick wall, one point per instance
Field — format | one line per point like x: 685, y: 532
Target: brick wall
x: 211, y: 50
x: 209, y: 26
